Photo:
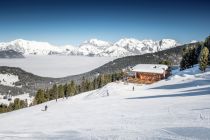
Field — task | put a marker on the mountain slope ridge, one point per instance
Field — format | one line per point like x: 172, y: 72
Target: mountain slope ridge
x: 92, y: 47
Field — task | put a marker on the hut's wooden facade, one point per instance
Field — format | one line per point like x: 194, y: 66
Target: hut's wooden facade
x: 148, y: 73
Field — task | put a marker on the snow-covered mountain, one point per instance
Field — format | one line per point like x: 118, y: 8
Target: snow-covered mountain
x: 93, y: 47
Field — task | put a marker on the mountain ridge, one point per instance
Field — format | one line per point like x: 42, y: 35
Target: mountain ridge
x: 92, y: 47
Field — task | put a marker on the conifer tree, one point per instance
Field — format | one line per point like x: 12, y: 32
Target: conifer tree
x: 207, y: 42
x: 83, y: 84
x: 60, y: 91
x: 65, y: 89
x: 47, y: 94
x: 188, y: 57
x: 94, y: 83
x: 73, y: 88
x: 68, y: 90
x: 78, y: 87
x: 39, y: 97
x: 203, y: 59
x: 53, y: 92
x: 3, y: 108
x: 87, y: 85
x: 23, y: 103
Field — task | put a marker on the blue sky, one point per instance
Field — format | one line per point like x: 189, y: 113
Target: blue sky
x: 71, y: 22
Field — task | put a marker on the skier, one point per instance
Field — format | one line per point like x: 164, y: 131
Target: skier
x: 107, y: 93
x: 45, y: 108
x: 133, y: 88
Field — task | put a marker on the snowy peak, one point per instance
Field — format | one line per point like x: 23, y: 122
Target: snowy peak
x: 92, y: 47
x: 145, y: 46
x: 29, y: 47
x: 193, y: 41
x: 97, y: 43
x: 166, y: 44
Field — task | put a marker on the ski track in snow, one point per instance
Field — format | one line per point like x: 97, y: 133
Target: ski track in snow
x: 174, y: 109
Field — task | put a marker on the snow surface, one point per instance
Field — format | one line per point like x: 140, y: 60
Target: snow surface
x: 8, y: 79
x: 175, y: 108
x: 151, y: 68
x: 25, y: 96
x: 92, y: 47
x: 56, y: 66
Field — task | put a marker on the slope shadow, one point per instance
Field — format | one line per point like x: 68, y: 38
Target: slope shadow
x: 202, y: 109
x: 183, y: 85
x: 200, y: 133
x: 196, y: 92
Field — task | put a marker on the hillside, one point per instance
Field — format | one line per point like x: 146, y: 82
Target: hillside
x: 176, y: 108
x: 16, y: 81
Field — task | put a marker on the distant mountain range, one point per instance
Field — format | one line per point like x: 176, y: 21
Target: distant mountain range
x: 93, y: 47
x: 10, y: 54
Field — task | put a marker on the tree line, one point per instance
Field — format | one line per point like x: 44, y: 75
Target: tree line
x: 64, y: 91
x: 196, y: 54
x: 16, y: 104
x: 71, y: 89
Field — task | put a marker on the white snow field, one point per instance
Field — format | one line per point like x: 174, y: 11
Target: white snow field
x: 56, y: 66
x: 176, y: 108
x: 8, y: 79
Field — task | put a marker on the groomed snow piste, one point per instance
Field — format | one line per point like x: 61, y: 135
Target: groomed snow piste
x: 176, y: 108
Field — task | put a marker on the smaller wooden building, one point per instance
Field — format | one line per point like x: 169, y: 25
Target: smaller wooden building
x: 147, y: 73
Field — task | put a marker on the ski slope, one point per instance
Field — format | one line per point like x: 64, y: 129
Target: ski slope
x: 176, y: 108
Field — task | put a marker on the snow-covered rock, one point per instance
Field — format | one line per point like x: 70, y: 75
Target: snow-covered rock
x: 193, y: 41
x: 93, y: 47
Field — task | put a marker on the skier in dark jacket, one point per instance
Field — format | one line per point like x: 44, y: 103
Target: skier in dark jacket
x: 45, y: 108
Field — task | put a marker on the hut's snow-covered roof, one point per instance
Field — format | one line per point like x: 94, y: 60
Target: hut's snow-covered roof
x: 150, y: 68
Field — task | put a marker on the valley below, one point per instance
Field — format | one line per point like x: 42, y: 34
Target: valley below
x: 56, y: 66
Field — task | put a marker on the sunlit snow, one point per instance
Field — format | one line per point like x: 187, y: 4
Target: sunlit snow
x: 176, y: 108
